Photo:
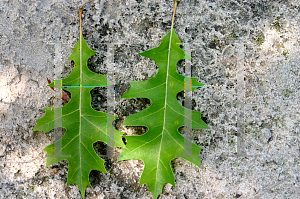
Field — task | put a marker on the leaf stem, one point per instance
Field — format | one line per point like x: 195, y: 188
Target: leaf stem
x: 80, y: 14
x: 175, y: 6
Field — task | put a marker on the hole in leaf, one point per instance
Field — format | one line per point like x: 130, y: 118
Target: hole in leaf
x: 98, y: 102
x: 100, y: 148
x: 66, y: 97
x: 181, y: 99
x: 136, y: 130
x: 180, y: 67
x: 120, y: 89
x: 103, y: 151
x: 124, y: 140
x: 134, y: 105
x: 184, y: 130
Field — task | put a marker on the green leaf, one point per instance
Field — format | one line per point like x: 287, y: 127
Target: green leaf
x: 84, y: 125
x: 162, y: 143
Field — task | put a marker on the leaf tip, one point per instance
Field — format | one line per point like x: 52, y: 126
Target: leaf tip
x: 141, y: 53
x: 51, y: 84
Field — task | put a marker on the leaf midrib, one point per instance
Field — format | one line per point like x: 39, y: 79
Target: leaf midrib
x: 165, y: 105
x: 80, y: 101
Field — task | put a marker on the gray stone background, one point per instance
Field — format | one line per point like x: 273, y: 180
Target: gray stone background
x: 266, y: 32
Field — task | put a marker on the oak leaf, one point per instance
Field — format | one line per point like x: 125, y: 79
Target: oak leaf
x: 162, y: 142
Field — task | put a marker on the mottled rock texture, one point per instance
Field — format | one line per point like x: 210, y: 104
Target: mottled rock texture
x: 267, y: 34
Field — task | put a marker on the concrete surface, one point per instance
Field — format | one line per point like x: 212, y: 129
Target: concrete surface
x: 252, y: 149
